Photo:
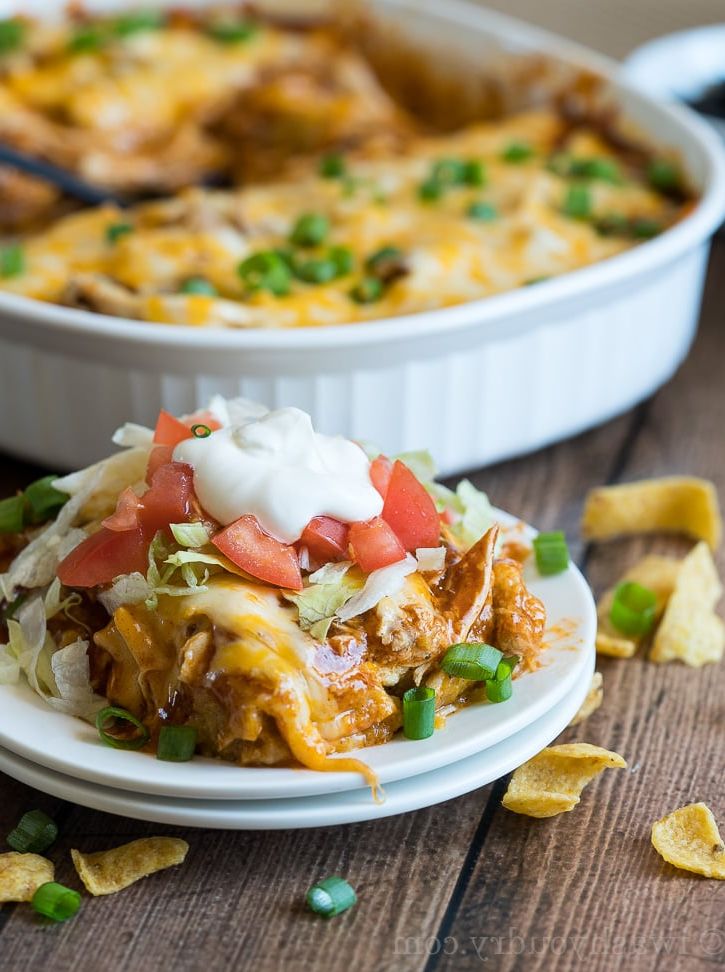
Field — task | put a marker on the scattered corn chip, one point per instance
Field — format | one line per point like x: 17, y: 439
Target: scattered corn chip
x: 22, y: 874
x: 552, y: 781
x: 657, y: 573
x: 674, y: 504
x: 690, y: 631
x: 106, y: 872
x: 689, y: 839
x: 591, y: 703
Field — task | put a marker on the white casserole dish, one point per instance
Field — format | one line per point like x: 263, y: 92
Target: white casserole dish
x: 475, y: 383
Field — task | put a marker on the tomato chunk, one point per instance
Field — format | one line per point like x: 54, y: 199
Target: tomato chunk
x: 410, y: 510
x: 126, y: 516
x: 170, y: 431
x: 374, y: 544
x: 247, y: 545
x: 158, y: 456
x: 169, y: 498
x: 381, y: 469
x: 103, y: 556
x: 326, y: 539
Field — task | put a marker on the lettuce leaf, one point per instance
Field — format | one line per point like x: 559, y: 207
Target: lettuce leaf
x: 379, y: 584
x: 190, y: 534
x: 318, y: 604
x: 71, y: 672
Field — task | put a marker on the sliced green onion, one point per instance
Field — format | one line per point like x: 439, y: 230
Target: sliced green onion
x: 311, y: 229
x: 86, y: 39
x: 552, y: 553
x: 633, y: 608
x: 111, y: 714
x: 517, y: 152
x: 316, y: 271
x: 343, y: 258
x: 448, y: 172
x: 506, y: 668
x: 55, y: 901
x: 384, y: 261
x: 484, y: 212
x: 604, y: 170
x: 134, y: 23
x: 663, y: 175
x: 43, y: 499
x: 115, y: 231
x: 12, y: 514
x: 332, y: 166
x: 430, y: 190
x: 200, y: 431
x: 577, y: 202
x: 12, y: 34
x: 419, y: 712
x: 331, y: 897
x: 198, y: 285
x: 34, y: 833
x: 176, y: 744
x: 190, y: 534
x: 267, y: 270
x: 367, y: 290
x: 474, y: 173
x: 644, y: 229
x: 12, y: 260
x: 233, y: 32
x: 476, y: 662
x: 499, y: 691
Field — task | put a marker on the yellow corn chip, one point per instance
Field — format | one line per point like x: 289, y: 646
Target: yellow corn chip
x: 22, y: 874
x: 552, y: 781
x: 106, y: 872
x: 657, y: 573
x: 591, y: 703
x: 690, y: 631
x: 689, y: 839
x: 674, y: 504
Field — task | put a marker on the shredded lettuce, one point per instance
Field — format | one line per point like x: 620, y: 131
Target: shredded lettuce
x: 71, y: 672
x: 431, y: 559
x: 54, y: 604
x: 318, y: 604
x: 379, y: 584
x: 130, y: 434
x: 126, y: 589
x: 177, y: 573
x: 477, y: 516
x: 9, y: 666
x: 421, y: 464
x: 190, y: 534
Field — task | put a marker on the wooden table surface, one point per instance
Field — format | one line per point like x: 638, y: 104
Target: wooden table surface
x: 466, y: 882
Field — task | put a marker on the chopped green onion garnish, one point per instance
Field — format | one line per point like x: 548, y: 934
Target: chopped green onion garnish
x: 316, y: 271
x: 115, y: 231
x: 311, y: 229
x: 12, y: 33
x: 636, y: 227
x: 499, y: 691
x: 112, y: 714
x: 386, y: 260
x: 198, y: 285
x: 43, y: 499
x: 34, y: 833
x: 266, y: 270
x: 476, y: 662
x: 577, y: 202
x: 330, y: 897
x: 55, y: 901
x: 343, y: 258
x: 605, y: 170
x: 644, y: 229
x: 86, y: 39
x: 430, y: 190
x: 12, y: 260
x: 663, y: 175
x: 484, y: 212
x: 419, y: 712
x: 332, y: 166
x: 517, y: 152
x: 200, y: 431
x: 506, y: 667
x: 633, y: 608
x: 474, y: 173
x: 233, y: 32
x: 448, y: 172
x: 12, y: 514
x: 552, y: 553
x: 133, y: 23
x: 367, y: 290
x: 176, y: 744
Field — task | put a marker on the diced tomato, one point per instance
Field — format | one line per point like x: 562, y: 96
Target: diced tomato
x: 447, y: 517
x: 159, y: 456
x: 247, y: 545
x: 410, y: 510
x: 374, y: 544
x: 326, y: 539
x: 381, y: 469
x: 169, y: 498
x: 170, y: 431
x: 103, y: 556
x: 126, y: 516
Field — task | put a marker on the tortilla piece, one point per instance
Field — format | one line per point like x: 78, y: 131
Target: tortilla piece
x: 595, y: 697
x: 657, y: 573
x: 552, y: 782
x: 688, y: 838
x: 690, y: 631
x: 22, y: 874
x: 673, y: 504
x: 106, y: 872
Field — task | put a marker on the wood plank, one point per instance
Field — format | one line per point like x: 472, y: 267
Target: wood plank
x: 587, y: 888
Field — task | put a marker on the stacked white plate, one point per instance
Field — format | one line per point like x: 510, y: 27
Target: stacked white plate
x: 63, y: 756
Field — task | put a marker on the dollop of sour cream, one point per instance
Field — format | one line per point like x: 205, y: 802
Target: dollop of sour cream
x: 276, y: 467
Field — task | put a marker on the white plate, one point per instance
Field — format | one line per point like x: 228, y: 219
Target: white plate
x: 33, y: 730
x: 321, y: 811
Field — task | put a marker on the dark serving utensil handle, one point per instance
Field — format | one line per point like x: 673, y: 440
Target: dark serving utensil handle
x: 64, y: 180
